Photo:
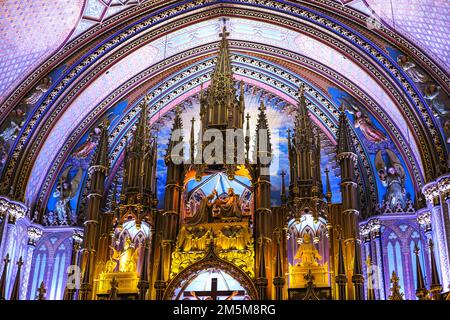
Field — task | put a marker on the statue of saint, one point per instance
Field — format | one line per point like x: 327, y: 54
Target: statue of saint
x: 392, y: 176
x: 91, y: 143
x: 363, y: 122
x: 307, y: 253
x: 431, y: 93
x: 127, y: 258
x: 204, y: 212
x: 229, y: 207
x: 193, y: 239
x: 43, y: 86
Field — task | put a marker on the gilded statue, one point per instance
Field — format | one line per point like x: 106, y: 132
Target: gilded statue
x: 193, y: 239
x: 392, y: 176
x: 307, y: 253
x: 233, y: 238
x: 126, y: 259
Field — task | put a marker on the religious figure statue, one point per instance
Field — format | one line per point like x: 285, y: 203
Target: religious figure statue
x: 127, y: 258
x: 411, y: 69
x: 431, y: 93
x: 16, y: 119
x: 392, y: 176
x: 65, y: 191
x: 193, y: 239
x: 204, y: 212
x: 91, y: 143
x: 233, y: 238
x: 447, y: 130
x: 43, y: 86
x: 229, y: 207
x: 307, y: 253
x: 362, y: 121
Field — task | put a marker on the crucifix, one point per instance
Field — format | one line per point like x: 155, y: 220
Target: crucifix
x: 213, y: 294
x: 224, y: 33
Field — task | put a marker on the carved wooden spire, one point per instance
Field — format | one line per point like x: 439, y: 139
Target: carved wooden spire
x: 3, y: 278
x: 16, y: 286
x: 395, y: 290
x: 221, y: 109
x: 421, y: 290
x: 329, y: 194
x: 341, y: 278
x: 344, y: 141
x: 143, y: 283
x: 357, y: 278
x: 436, y: 286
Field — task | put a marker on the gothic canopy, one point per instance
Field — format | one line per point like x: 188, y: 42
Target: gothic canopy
x: 91, y: 60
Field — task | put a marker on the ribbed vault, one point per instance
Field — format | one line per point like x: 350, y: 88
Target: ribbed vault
x: 168, y: 53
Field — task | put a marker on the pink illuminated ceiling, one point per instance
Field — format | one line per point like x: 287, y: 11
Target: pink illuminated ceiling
x: 30, y: 32
x: 425, y: 22
x: 188, y: 38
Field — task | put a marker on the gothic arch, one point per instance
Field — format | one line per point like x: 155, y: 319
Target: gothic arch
x: 211, y: 261
x: 328, y: 23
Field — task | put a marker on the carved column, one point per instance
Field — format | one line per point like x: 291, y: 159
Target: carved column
x: 437, y: 196
x: 34, y: 234
x: 97, y: 172
x: 77, y: 240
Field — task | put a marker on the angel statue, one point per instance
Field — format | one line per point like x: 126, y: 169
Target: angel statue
x: 362, y: 121
x: 392, y: 176
x: 65, y: 191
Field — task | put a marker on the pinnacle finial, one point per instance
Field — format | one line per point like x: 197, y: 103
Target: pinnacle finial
x: 301, y: 89
x: 262, y: 107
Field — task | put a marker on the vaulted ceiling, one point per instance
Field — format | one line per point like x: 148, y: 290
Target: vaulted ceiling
x: 104, y: 56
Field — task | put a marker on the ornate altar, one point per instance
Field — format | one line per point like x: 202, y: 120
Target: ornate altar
x: 127, y: 283
x: 121, y: 269
x: 308, y: 263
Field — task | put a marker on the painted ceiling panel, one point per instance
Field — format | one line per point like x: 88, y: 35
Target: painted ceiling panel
x: 190, y: 37
x: 425, y: 22
x: 85, y: 102
x: 30, y: 31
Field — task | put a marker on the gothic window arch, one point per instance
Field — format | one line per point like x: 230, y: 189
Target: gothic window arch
x: 60, y: 263
x: 416, y: 240
x: 40, y: 265
x: 394, y: 259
